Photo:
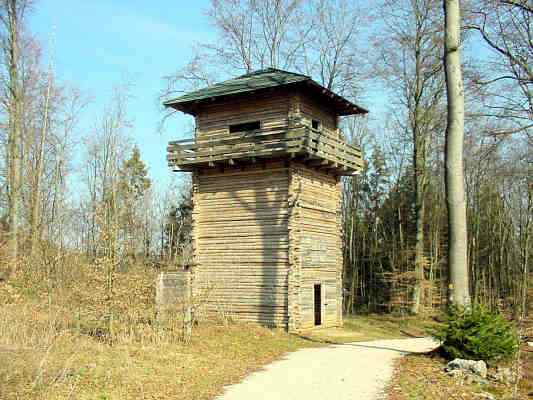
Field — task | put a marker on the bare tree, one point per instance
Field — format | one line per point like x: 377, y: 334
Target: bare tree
x: 410, y: 63
x: 455, y: 193
x: 36, y: 190
x: 506, y: 78
x: 106, y: 147
x: 333, y: 52
x: 12, y: 16
x: 256, y: 34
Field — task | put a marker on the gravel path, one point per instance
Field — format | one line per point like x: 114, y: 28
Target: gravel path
x: 358, y: 371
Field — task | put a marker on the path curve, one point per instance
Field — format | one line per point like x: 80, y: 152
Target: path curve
x: 355, y: 371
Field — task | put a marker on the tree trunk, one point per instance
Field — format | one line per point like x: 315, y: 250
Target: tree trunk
x: 455, y: 193
x: 419, y: 164
x: 14, y: 133
x: 419, y: 161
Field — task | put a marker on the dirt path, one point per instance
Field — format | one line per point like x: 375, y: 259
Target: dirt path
x: 351, y: 371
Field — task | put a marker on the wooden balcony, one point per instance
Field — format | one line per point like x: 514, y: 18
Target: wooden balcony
x: 315, y: 148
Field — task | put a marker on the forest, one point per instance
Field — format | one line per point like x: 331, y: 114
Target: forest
x: 78, y: 202
x: 395, y: 229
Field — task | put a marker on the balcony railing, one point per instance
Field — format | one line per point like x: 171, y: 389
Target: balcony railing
x: 316, y: 148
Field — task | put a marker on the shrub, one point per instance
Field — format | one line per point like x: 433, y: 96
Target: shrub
x: 477, y: 334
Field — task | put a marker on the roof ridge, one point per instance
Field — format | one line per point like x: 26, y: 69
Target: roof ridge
x: 267, y: 70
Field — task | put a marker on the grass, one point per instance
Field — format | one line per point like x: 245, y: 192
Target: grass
x: 373, y: 327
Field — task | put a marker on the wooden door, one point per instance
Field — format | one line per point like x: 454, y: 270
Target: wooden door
x: 318, y: 304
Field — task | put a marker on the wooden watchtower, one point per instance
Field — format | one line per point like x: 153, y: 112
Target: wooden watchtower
x: 266, y: 161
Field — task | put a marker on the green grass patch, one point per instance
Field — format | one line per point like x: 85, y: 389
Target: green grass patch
x: 357, y: 328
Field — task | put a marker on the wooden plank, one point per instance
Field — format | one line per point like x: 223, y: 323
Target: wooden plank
x: 316, y: 223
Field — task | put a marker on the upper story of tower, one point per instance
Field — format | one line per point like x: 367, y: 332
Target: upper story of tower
x: 264, y: 115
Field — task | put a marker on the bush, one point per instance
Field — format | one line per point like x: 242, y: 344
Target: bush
x: 477, y: 334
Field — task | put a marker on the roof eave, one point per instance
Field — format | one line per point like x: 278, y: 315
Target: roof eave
x: 188, y: 107
x: 343, y: 107
x: 184, y: 107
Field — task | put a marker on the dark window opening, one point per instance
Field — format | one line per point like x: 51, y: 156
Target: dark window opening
x: 247, y: 126
x: 315, y: 124
x: 318, y: 304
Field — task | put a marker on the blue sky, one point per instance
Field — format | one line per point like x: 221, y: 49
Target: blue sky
x: 98, y: 44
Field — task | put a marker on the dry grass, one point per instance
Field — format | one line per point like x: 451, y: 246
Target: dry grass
x: 57, y: 342
x: 526, y: 358
x: 63, y: 336
x: 421, y: 377
x: 91, y: 369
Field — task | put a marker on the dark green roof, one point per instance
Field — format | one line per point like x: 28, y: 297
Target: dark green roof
x: 256, y: 81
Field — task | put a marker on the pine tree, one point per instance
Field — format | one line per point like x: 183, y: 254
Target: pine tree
x: 177, y: 230
x: 134, y: 184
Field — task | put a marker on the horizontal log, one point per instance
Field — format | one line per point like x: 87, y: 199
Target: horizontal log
x: 258, y: 204
x: 249, y: 301
x: 228, y: 184
x: 252, y: 291
x: 271, y: 240
x: 249, y: 265
x: 275, y: 310
x: 243, y: 217
x: 245, y: 247
x: 269, y: 166
x: 244, y: 195
x: 246, y: 280
x: 273, y: 221
x: 236, y: 233
x: 250, y: 259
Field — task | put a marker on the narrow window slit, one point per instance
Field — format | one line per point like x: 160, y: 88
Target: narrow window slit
x: 245, y: 127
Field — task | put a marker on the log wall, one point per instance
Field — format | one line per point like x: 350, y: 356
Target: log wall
x: 316, y: 255
x: 271, y: 109
x: 241, y: 242
x: 311, y: 109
